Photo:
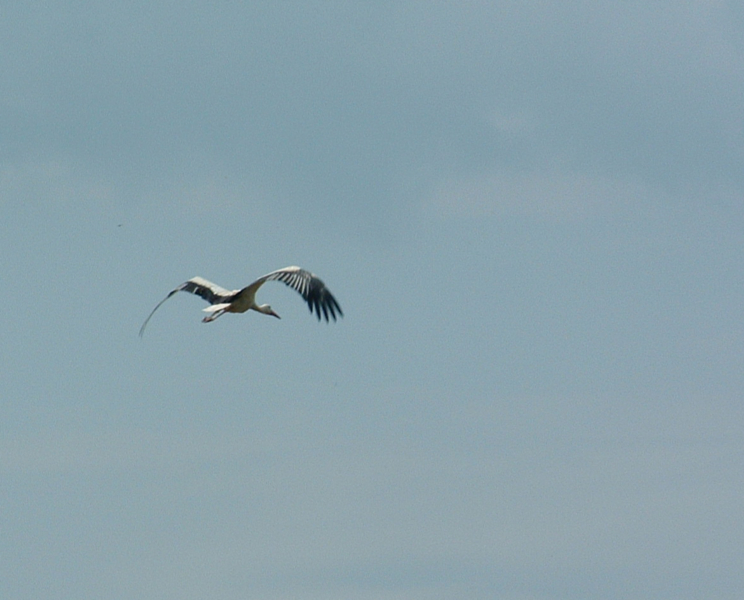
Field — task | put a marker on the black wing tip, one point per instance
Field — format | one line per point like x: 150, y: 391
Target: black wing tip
x: 328, y: 306
x: 311, y: 287
x: 331, y: 306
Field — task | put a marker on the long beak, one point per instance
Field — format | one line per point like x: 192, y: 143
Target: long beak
x: 273, y: 314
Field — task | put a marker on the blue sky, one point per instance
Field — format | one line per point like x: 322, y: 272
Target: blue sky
x: 532, y: 215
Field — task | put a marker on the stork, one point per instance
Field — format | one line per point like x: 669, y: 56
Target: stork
x: 310, y: 287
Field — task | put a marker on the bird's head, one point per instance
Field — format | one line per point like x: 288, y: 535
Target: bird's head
x: 266, y: 309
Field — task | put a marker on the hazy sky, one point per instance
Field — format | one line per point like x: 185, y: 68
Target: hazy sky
x: 532, y: 214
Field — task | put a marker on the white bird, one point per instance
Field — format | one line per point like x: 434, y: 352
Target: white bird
x: 310, y: 287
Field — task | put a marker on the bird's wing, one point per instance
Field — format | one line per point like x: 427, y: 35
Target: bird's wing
x: 211, y: 292
x: 310, y: 287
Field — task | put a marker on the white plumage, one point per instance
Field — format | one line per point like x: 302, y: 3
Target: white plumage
x: 310, y: 287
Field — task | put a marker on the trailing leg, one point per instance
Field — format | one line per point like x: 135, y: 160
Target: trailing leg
x: 215, y: 311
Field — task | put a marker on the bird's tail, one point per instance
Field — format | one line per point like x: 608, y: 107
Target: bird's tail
x: 215, y: 307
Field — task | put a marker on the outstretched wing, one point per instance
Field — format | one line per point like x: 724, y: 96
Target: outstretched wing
x: 211, y: 292
x: 310, y: 287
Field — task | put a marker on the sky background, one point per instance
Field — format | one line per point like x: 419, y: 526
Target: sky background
x: 532, y: 214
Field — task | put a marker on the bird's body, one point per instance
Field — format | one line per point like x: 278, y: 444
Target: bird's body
x: 221, y: 300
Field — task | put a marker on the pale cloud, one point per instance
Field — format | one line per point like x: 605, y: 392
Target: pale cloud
x: 134, y: 450
x: 512, y: 123
x: 558, y: 195
x: 55, y: 182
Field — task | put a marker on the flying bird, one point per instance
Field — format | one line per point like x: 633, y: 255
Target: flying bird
x: 310, y: 287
